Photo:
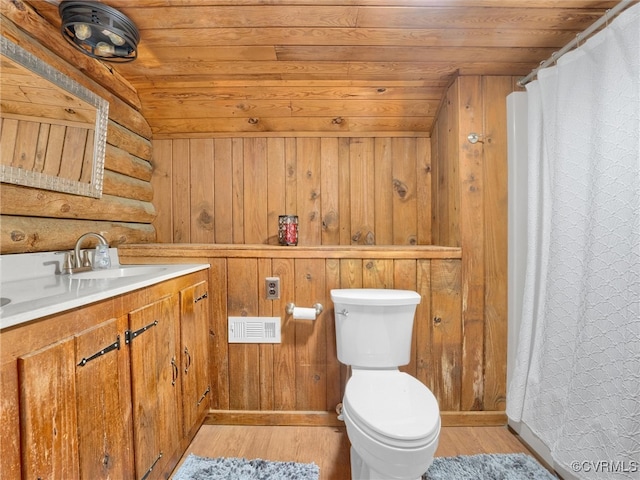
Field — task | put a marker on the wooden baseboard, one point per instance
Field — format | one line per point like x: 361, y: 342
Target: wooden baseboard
x: 273, y: 418
x: 473, y: 419
x: 330, y: 419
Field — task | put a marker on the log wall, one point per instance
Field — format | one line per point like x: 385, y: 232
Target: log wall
x: 40, y: 220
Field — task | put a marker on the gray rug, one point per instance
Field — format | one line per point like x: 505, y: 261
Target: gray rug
x: 515, y: 466
x: 200, y: 468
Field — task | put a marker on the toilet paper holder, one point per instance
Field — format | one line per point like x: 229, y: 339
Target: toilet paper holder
x: 317, y: 306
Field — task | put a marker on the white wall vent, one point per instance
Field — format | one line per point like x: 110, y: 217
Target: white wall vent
x: 254, y: 330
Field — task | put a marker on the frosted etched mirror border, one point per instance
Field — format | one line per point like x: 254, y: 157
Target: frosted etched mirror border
x: 22, y: 176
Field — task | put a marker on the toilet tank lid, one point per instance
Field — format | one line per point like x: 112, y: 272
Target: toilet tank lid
x: 374, y: 296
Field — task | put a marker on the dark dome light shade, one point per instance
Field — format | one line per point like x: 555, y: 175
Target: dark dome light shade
x: 99, y: 31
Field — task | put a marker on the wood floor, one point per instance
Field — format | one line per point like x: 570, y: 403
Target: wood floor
x: 328, y: 447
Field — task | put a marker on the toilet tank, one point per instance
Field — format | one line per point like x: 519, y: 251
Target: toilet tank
x: 374, y: 326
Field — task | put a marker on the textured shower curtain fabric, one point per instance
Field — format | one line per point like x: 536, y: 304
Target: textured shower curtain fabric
x: 576, y: 381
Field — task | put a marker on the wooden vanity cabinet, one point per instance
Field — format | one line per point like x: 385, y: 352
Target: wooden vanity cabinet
x: 107, y: 390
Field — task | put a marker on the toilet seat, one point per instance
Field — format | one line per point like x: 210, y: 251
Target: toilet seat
x: 405, y: 413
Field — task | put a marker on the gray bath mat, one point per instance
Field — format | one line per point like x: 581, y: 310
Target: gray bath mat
x: 517, y: 466
x: 200, y: 468
x: 514, y: 466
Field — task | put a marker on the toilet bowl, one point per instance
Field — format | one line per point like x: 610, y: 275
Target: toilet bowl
x: 392, y: 419
x: 393, y: 424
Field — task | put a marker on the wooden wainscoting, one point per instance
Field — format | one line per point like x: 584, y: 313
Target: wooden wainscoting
x: 300, y: 381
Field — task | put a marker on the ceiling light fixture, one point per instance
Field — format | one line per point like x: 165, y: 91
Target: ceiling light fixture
x: 99, y: 31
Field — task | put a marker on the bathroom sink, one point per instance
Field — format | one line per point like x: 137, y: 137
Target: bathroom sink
x: 33, y: 285
x: 121, y: 271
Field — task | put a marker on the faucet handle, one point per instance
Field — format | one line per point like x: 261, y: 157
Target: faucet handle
x: 85, y: 259
x: 69, y: 262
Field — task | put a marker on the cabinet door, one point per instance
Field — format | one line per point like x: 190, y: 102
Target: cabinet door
x: 104, y: 402
x: 194, y: 327
x: 155, y: 384
x: 75, y: 407
x: 48, y: 419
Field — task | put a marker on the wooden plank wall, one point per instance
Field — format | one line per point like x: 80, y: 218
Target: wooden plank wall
x: 465, y: 207
x: 470, y: 211
x: 345, y: 191
x: 303, y: 373
x: 40, y: 220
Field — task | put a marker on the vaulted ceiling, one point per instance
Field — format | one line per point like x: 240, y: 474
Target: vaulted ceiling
x: 353, y: 66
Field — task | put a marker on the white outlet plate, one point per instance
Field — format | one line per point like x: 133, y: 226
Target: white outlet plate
x: 254, y: 330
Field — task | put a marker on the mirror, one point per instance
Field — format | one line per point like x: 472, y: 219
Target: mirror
x: 53, y: 131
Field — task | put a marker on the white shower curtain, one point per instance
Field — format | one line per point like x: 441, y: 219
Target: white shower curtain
x: 576, y: 382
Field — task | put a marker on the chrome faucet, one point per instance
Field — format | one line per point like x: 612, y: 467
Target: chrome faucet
x: 73, y: 261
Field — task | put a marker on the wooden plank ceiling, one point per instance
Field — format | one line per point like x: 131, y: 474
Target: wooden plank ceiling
x: 328, y: 67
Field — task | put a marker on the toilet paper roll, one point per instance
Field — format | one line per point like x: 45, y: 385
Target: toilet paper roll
x: 302, y: 313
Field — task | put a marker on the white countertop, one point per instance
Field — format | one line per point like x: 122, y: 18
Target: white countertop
x: 35, y: 288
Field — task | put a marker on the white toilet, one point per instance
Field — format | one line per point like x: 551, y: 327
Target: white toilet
x: 392, y: 419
